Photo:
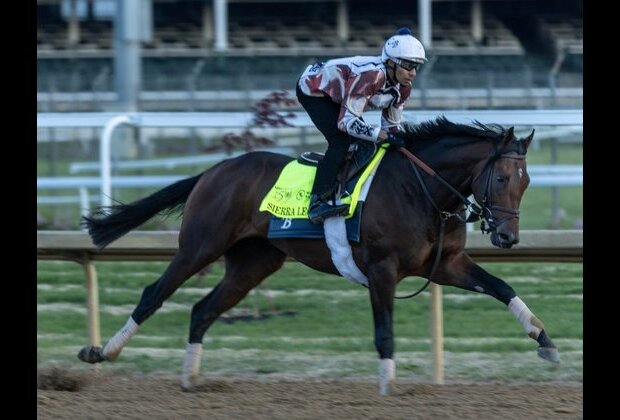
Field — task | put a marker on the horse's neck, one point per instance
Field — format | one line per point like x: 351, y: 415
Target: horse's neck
x: 456, y: 167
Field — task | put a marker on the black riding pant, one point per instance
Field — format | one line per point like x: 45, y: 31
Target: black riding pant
x: 324, y: 114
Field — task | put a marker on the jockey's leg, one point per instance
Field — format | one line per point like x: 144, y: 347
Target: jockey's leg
x: 324, y: 114
x: 324, y: 188
x: 462, y: 272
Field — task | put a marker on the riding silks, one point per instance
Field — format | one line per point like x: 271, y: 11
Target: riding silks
x: 290, y: 196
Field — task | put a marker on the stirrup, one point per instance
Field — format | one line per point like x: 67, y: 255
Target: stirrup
x: 322, y: 210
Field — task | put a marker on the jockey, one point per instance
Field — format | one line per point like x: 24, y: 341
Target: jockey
x: 335, y: 94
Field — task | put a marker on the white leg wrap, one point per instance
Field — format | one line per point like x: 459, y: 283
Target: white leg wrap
x: 386, y: 375
x: 113, y: 347
x: 191, y: 364
x: 530, y: 323
x: 342, y: 256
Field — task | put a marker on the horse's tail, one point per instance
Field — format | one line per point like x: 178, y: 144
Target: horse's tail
x: 117, y: 220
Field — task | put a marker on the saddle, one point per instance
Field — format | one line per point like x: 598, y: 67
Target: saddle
x: 359, y: 154
x: 289, y: 197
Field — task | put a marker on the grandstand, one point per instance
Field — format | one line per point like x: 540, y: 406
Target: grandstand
x: 269, y: 43
x: 565, y: 33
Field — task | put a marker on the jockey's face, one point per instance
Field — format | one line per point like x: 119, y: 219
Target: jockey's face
x: 403, y: 76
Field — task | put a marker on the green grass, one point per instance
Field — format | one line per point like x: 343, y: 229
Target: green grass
x: 567, y: 153
x: 328, y: 332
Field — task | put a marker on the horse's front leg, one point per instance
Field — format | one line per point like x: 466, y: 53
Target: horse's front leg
x: 462, y: 272
x: 382, y: 285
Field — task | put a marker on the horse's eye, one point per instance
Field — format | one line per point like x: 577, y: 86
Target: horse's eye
x: 501, y: 179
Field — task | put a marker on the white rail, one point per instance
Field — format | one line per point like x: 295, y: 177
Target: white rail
x: 110, y: 121
x: 556, y: 117
x: 170, y: 163
x: 137, y: 181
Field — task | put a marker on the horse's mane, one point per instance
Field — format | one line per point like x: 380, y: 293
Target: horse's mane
x: 441, y: 128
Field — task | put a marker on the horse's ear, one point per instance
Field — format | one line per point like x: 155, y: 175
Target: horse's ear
x: 529, y: 139
x: 509, y: 135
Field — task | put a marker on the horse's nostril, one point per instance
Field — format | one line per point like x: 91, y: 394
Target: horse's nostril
x: 508, y: 238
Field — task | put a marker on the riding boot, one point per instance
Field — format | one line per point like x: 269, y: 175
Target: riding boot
x: 320, y: 209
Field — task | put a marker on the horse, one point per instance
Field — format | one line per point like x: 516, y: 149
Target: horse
x: 412, y: 225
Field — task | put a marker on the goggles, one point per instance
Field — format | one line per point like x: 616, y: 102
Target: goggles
x: 406, y: 64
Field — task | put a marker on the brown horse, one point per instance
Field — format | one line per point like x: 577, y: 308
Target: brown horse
x: 407, y: 214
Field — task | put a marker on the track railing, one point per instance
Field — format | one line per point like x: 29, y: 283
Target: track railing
x: 535, y: 246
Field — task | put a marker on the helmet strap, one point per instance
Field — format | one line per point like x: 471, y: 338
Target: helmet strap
x: 392, y: 67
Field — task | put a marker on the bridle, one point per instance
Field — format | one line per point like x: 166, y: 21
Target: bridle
x: 514, y: 151
x: 486, y: 212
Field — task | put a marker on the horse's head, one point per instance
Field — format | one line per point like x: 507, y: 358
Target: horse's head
x: 498, y: 185
x: 497, y: 178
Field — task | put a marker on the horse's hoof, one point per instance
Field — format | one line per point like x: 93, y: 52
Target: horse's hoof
x: 385, y: 389
x: 91, y: 354
x: 187, y: 383
x: 194, y: 383
x: 549, y: 353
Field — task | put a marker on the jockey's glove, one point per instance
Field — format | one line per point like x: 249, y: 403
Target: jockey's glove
x: 395, y: 140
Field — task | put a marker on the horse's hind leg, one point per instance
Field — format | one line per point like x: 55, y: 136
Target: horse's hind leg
x: 183, y: 266
x: 464, y: 273
x: 382, y: 286
x: 248, y: 263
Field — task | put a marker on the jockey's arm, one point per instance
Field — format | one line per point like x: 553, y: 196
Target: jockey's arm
x: 390, y: 121
x: 352, y: 123
x: 358, y: 89
x: 358, y: 94
x: 356, y: 127
x: 393, y: 114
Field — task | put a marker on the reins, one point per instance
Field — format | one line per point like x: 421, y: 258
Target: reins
x: 443, y: 216
x: 473, y: 208
x: 476, y: 212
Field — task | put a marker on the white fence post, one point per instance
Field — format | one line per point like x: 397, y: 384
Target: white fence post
x: 105, y: 156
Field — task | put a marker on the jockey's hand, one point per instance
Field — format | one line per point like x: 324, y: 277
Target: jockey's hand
x: 395, y: 140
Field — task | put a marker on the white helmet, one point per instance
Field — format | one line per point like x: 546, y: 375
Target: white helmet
x: 403, y: 46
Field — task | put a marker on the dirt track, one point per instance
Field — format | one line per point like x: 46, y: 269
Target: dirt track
x: 159, y: 397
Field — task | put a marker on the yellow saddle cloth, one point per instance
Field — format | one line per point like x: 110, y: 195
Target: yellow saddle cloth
x: 290, y: 196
